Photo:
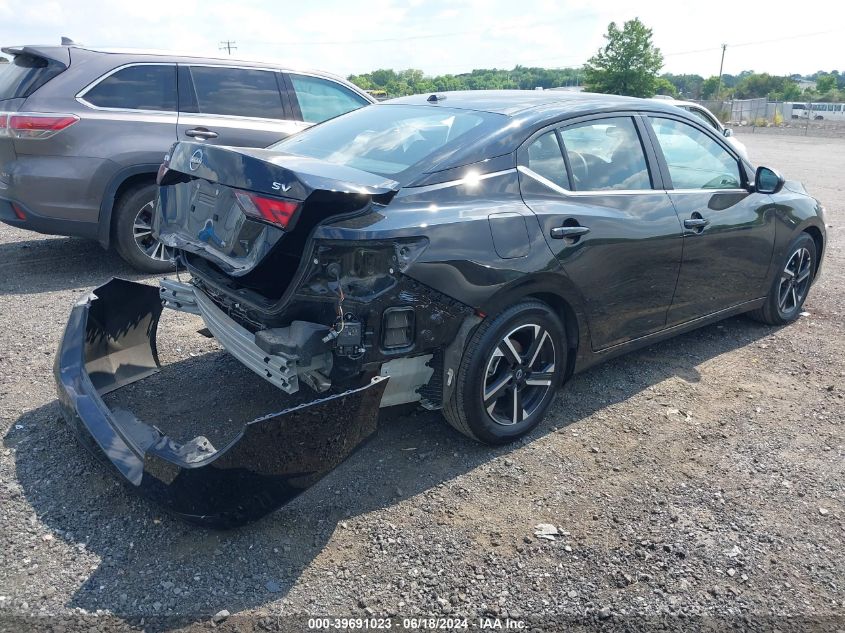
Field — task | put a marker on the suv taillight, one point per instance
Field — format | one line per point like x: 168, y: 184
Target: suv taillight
x: 34, y: 125
x: 278, y: 211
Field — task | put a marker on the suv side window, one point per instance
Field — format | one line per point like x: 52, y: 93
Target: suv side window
x: 695, y: 160
x: 238, y: 92
x: 321, y: 99
x: 141, y: 87
x: 703, y: 116
x: 606, y: 154
x: 546, y: 159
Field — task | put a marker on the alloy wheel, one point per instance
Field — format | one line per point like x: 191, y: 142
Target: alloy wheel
x: 519, y: 374
x: 142, y: 231
x: 795, y: 281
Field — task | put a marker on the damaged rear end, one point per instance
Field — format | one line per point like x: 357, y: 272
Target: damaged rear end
x: 305, y: 307
x: 110, y: 342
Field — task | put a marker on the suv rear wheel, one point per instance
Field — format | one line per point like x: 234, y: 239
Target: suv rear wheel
x: 134, y: 241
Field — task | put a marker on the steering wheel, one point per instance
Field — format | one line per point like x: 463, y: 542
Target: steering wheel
x: 584, y: 165
x: 725, y: 181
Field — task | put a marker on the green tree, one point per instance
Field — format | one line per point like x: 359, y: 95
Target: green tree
x: 825, y: 83
x: 627, y: 65
x: 688, y: 86
x: 663, y: 86
x: 709, y: 87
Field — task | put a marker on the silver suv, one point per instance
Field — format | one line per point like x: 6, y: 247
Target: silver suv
x: 83, y: 132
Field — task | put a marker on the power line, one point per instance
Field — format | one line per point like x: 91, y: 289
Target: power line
x: 770, y: 41
x: 228, y: 45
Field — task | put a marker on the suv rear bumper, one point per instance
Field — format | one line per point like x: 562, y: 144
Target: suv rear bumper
x: 42, y: 224
x: 109, y: 342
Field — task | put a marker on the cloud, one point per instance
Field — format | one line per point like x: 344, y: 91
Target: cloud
x: 437, y: 36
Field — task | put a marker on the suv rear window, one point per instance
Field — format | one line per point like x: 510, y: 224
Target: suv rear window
x: 142, y: 87
x: 25, y: 74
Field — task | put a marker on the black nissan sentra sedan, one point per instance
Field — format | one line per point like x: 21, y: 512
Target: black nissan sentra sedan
x: 469, y: 251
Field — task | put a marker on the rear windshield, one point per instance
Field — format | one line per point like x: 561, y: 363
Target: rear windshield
x: 390, y: 139
x: 25, y: 74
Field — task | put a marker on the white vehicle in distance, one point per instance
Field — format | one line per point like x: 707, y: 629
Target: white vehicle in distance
x: 710, y: 119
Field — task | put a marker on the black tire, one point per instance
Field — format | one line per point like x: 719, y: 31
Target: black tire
x: 791, y: 285
x: 487, y: 352
x: 138, y: 203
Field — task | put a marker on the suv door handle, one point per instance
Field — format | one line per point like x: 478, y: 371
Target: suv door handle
x: 561, y: 232
x: 201, y: 133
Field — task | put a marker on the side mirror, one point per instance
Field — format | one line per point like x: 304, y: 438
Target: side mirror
x: 767, y: 180
x: 728, y: 132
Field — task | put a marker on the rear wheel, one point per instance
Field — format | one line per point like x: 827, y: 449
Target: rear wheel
x: 792, y: 285
x: 510, y: 371
x: 134, y: 241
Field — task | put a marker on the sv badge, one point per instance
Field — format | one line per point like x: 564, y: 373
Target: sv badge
x: 281, y: 186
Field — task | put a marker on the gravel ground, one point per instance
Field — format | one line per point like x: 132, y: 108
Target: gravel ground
x: 694, y: 484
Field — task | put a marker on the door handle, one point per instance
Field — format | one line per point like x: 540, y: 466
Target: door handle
x: 697, y: 224
x: 561, y: 232
x: 201, y: 133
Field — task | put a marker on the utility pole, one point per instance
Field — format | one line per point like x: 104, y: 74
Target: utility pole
x: 228, y: 45
x: 721, y: 66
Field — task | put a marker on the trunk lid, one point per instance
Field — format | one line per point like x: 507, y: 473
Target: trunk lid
x: 213, y: 200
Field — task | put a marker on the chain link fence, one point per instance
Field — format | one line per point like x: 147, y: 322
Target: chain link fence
x: 818, y: 119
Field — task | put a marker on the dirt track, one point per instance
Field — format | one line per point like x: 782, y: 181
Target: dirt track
x: 701, y: 477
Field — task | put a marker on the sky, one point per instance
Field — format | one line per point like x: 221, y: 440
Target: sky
x: 440, y: 36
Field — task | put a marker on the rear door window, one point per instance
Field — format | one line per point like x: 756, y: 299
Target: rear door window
x: 141, y: 87
x: 25, y: 74
x: 322, y: 99
x: 546, y: 159
x: 606, y: 154
x: 238, y: 92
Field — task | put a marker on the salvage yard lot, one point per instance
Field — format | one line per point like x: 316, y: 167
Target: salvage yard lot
x: 702, y: 476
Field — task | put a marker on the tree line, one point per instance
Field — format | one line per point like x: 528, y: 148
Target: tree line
x: 830, y: 86
x: 628, y: 64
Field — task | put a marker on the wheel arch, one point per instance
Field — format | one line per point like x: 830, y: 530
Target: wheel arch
x: 815, y: 232
x: 121, y: 182
x: 564, y: 301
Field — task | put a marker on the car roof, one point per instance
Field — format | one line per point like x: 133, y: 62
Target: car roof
x: 678, y: 102
x: 543, y: 104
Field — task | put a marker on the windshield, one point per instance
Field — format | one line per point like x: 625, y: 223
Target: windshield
x: 24, y: 75
x: 389, y: 139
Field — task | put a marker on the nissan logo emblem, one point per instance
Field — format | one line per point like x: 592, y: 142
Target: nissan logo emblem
x: 196, y: 160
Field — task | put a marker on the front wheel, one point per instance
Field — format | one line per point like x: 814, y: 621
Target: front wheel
x: 792, y: 285
x: 510, y: 371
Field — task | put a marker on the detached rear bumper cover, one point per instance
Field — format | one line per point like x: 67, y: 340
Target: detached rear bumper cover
x: 109, y: 342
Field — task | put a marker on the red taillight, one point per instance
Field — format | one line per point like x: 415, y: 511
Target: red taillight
x: 18, y: 212
x: 34, y: 125
x: 277, y: 211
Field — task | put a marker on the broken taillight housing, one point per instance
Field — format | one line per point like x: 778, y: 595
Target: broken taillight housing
x: 34, y: 125
x: 278, y: 211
